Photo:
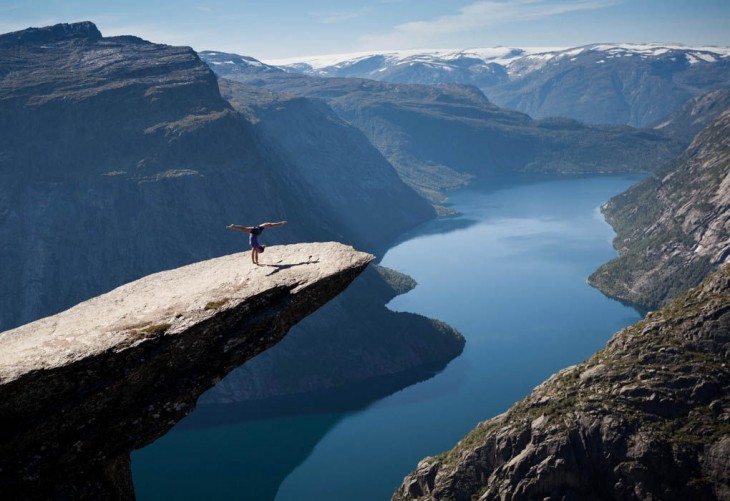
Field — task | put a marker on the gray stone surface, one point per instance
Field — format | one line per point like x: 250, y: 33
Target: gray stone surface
x: 81, y: 389
x: 673, y: 228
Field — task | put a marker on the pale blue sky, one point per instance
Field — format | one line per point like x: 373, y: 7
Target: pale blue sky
x: 270, y: 29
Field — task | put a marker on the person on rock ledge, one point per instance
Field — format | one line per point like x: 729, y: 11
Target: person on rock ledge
x: 253, y: 239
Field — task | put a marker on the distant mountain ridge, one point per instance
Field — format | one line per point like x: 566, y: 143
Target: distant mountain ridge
x: 517, y: 61
x: 439, y: 136
x: 633, y: 84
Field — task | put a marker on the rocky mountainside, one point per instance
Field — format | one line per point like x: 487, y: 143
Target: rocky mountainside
x: 647, y: 417
x: 695, y: 115
x: 438, y: 137
x: 627, y: 84
x: 330, y: 163
x: 119, y: 158
x: 80, y: 390
x: 673, y: 228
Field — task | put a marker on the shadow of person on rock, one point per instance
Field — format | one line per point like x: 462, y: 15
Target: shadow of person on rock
x: 279, y: 267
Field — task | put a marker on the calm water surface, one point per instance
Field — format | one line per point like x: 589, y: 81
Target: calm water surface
x: 509, y: 273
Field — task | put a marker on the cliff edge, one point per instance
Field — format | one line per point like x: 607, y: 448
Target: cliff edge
x: 647, y: 417
x: 81, y: 389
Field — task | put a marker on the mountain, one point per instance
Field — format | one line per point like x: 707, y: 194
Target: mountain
x: 695, y: 115
x: 644, y: 418
x: 331, y: 163
x: 439, y: 137
x: 629, y: 84
x: 673, y: 228
x: 124, y: 159
x: 479, y: 67
x: 119, y: 158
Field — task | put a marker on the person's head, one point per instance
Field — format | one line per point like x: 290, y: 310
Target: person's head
x: 261, y: 249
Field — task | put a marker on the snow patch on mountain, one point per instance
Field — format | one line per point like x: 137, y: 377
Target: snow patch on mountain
x: 516, y: 61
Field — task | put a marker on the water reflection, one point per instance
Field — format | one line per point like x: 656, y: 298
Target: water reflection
x: 214, y: 443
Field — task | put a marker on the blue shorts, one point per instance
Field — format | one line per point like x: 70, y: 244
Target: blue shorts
x: 254, y: 241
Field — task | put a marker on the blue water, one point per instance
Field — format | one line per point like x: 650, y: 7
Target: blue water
x: 509, y: 273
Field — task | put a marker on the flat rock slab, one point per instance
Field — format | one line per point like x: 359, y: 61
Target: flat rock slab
x: 81, y: 389
x: 170, y: 301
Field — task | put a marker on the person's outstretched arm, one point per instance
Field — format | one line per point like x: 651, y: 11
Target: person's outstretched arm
x: 247, y: 229
x: 272, y: 225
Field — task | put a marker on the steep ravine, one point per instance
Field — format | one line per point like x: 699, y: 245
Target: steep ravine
x: 81, y: 389
x: 647, y: 417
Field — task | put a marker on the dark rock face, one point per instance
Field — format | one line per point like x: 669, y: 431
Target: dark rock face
x: 53, y: 33
x: 674, y: 227
x: 82, y: 389
x: 119, y: 158
x: 648, y: 417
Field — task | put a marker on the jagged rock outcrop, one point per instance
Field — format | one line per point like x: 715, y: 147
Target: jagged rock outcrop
x: 81, y: 389
x: 647, y: 417
x: 673, y: 228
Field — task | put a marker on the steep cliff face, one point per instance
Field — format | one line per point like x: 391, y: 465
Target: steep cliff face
x: 330, y: 163
x: 674, y: 227
x: 647, y: 417
x: 119, y: 158
x: 81, y: 389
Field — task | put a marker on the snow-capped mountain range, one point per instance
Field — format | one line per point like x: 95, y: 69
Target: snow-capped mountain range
x: 516, y: 61
x: 633, y: 84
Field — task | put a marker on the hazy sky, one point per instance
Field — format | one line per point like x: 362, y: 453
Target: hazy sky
x: 269, y: 29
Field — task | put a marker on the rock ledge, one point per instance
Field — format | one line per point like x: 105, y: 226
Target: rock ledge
x: 79, y: 390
